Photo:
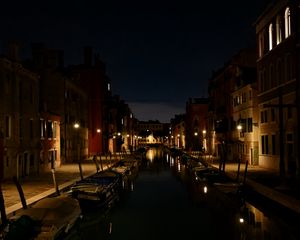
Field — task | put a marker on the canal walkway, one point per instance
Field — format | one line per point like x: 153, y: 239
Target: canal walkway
x: 36, y: 187
x: 39, y: 186
x: 284, y: 191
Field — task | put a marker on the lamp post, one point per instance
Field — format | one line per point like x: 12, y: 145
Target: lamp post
x: 204, y: 140
x: 99, y: 133
x: 239, y: 127
x: 76, y: 126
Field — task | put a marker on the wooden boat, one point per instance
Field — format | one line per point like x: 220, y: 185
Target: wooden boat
x: 100, y: 190
x: 49, y: 218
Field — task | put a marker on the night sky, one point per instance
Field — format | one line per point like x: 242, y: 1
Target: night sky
x: 158, y: 53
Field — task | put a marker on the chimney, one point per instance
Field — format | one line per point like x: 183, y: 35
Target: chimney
x: 13, y: 50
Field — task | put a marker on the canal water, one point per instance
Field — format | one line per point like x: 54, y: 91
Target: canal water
x: 166, y: 202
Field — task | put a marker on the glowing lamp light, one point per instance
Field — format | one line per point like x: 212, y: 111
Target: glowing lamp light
x: 76, y: 125
x: 195, y: 133
x: 205, y: 189
x: 241, y: 220
x: 98, y: 130
x: 239, y: 127
x: 204, y: 131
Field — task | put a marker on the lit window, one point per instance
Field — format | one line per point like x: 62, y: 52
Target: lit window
x: 270, y: 36
x: 42, y: 128
x: 287, y: 22
x: 260, y: 44
x: 278, y: 30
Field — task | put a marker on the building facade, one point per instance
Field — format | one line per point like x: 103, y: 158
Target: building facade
x: 277, y: 34
x: 196, y: 119
x: 19, y: 119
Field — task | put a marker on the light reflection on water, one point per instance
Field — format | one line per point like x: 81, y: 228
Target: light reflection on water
x: 170, y: 204
x: 251, y: 222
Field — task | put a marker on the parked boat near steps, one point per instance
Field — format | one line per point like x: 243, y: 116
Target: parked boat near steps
x: 99, y: 191
x: 49, y: 218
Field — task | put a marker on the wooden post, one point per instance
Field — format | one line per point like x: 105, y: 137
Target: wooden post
x: 79, y: 162
x: 96, y: 163
x: 54, y: 182
x: 101, y: 163
x: 2, y: 208
x: 21, y: 193
x: 245, y: 173
x: 238, y: 171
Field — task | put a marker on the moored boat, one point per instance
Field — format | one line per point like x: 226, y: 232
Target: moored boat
x: 49, y: 218
x: 99, y: 191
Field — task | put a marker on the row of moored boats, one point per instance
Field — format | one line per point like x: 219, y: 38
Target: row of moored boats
x: 53, y: 217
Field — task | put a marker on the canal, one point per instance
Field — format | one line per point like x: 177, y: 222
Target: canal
x: 165, y: 202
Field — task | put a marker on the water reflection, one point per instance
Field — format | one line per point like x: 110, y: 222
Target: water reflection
x: 171, y: 204
x: 247, y: 221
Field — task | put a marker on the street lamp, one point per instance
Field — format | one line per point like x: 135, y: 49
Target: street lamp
x: 76, y: 126
x: 99, y: 132
x: 204, y: 140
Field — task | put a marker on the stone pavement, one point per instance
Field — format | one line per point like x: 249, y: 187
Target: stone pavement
x: 36, y: 187
x: 268, y: 183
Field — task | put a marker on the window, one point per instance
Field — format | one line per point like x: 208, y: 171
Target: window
x: 31, y: 94
x: 243, y: 97
x: 7, y: 126
x: 271, y: 76
x: 290, y: 146
x: 21, y: 128
x: 289, y: 113
x: 250, y: 127
x: 54, y: 129
x: 279, y: 73
x: 49, y: 129
x: 270, y: 36
x: 278, y: 30
x: 42, y: 128
x: 274, y: 144
x: 272, y: 114
x: 7, y: 84
x: 108, y: 86
x: 287, y: 22
x: 264, y: 116
x: 260, y: 44
x: 264, y: 144
x: 31, y: 160
x: 31, y: 129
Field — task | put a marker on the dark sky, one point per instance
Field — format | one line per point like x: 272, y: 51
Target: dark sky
x: 158, y: 53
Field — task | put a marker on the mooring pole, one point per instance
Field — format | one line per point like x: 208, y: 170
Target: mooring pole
x: 54, y: 182
x: 21, y: 193
x: 2, y: 208
x: 238, y: 171
x: 245, y: 173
